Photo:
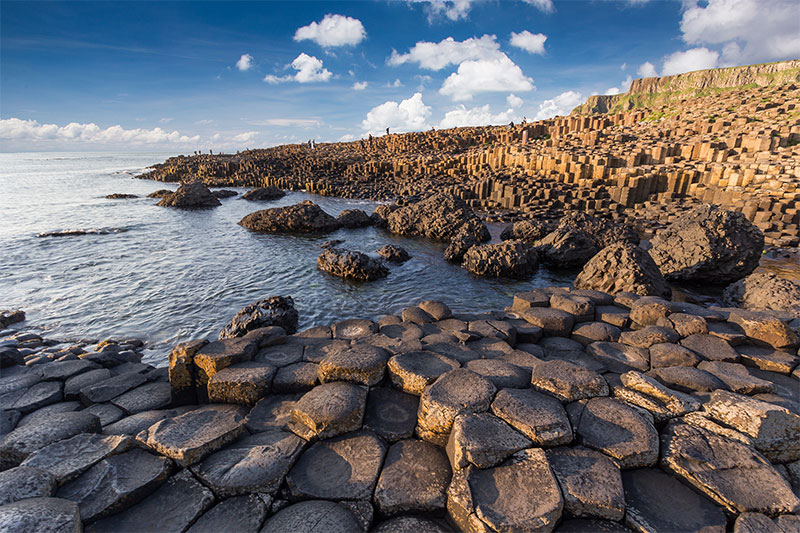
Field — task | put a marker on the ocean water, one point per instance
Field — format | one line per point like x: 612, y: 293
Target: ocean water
x: 168, y: 275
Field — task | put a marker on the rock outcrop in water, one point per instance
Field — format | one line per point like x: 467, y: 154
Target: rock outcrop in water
x: 263, y: 194
x: 351, y: 264
x: 224, y: 193
x: 191, y: 195
x: 439, y: 217
x: 305, y: 217
x: 120, y: 196
x: 160, y: 193
x: 395, y: 254
x: 509, y: 259
x: 273, y: 311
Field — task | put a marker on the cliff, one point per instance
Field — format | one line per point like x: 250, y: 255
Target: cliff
x: 646, y: 92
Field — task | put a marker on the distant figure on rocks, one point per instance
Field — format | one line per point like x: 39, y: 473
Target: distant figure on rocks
x: 362, y: 144
x: 370, y: 141
x: 524, y: 120
x: 211, y: 152
x: 511, y: 125
x: 387, y: 131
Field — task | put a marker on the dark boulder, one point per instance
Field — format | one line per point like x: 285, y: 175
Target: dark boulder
x: 224, y: 193
x: 439, y: 216
x: 470, y: 234
x: 351, y: 264
x: 354, y: 218
x: 11, y: 317
x: 262, y: 194
x: 623, y: 267
x: 120, y: 196
x: 305, y: 217
x: 161, y: 193
x: 272, y: 311
x: 603, y: 232
x: 395, y: 254
x: 763, y: 291
x: 510, y: 259
x: 567, y: 248
x: 192, y: 195
x: 380, y: 217
x: 526, y: 230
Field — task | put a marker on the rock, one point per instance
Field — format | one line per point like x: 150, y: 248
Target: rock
x: 297, y: 377
x: 147, y: 397
x: 110, y: 388
x: 106, y: 412
x: 590, y: 482
x: 390, y: 413
x: 687, y: 379
x: 581, y: 307
x: 567, y: 381
x: 61, y: 370
x: 534, y: 298
x: 612, y: 314
x: 648, y: 336
x: 648, y: 310
x: 710, y: 347
x: 342, y: 468
x: 38, y: 396
x: 521, y: 494
x: 582, y: 525
x: 763, y: 291
x: 567, y: 248
x: 552, y: 321
x: 510, y: 259
x: 10, y: 356
x: 218, y: 355
x: 470, y: 234
x: 603, y: 232
x: 271, y: 412
x: 67, y: 459
x: 132, y: 425
x: 315, y: 516
x: 120, y: 196
x: 224, y: 193
x: 623, y: 267
x: 416, y: 315
x: 620, y: 358
x: 273, y: 311
x: 414, y: 479
x: 23, y: 482
x: 328, y: 410
x: 526, y: 230
x: 409, y: 524
x: 652, y: 497
x: 23, y: 441
x: 755, y: 523
x: 381, y: 214
x: 737, y: 378
x: 437, y: 310
x: 395, y: 254
x: 191, y: 195
x: 708, y: 244
x: 353, y: 328
x: 764, y: 328
x: 616, y: 429
x: 351, y: 265
x: 281, y: 355
x: 160, y: 193
x: 253, y: 464
x: 241, y: 514
x: 362, y: 364
x: 684, y: 324
x: 483, y: 440
x: 589, y: 332
x: 262, y: 194
x: 500, y: 373
x: 767, y: 358
x: 39, y: 414
x: 454, y: 393
x: 54, y: 515
x: 305, y: 217
x: 354, y: 218
x: 726, y: 471
x: 644, y: 391
x: 243, y: 383
x: 412, y: 372
x: 190, y: 437
x: 539, y: 417
x: 438, y: 216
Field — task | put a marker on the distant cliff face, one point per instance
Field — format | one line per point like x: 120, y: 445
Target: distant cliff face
x: 647, y: 91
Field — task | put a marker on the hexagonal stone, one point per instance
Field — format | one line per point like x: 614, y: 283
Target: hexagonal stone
x: 390, y: 413
x: 280, y: 355
x: 116, y: 483
x: 737, y: 378
x: 414, y: 479
x: 23, y: 441
x: 538, y: 416
x: 40, y: 514
x: 649, y: 309
x: 272, y: 412
x: 144, y: 398
x: 454, y: 393
x: 757, y: 523
x: 710, y: 347
x: 618, y: 357
x: 590, y: 482
x: 413, y: 371
x: 616, y: 429
x: 73, y: 385
x: 242, y: 383
x: 768, y: 359
x: 567, y: 381
x: 687, y: 379
x: 438, y: 310
x: 727, y: 331
x: 47, y: 410
x: 218, y: 355
x: 483, y: 440
x: 726, y: 471
x: 589, y: 332
x: 415, y: 315
x: 39, y: 395
x: 765, y: 328
x: 501, y: 373
x: 579, y: 306
x: 107, y: 413
x: 297, y: 377
x: 362, y: 364
x: 675, y: 403
x: 110, y: 388
x: 521, y: 494
x: 67, y: 459
x: 23, y: 482
x: 552, y: 321
x: 134, y: 424
x: 648, y: 336
x: 612, y: 314
x: 328, y: 410
x: 243, y: 514
x: 254, y: 463
x: 342, y: 468
x: 191, y: 436
x: 667, y: 354
x: 172, y: 507
x: 315, y: 516
x: 410, y: 524
x: 353, y: 328
x: 651, y: 497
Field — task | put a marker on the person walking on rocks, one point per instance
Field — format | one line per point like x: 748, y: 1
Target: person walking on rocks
x: 387, y: 131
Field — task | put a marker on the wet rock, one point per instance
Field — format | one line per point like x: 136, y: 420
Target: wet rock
x: 351, y: 265
x: 708, y: 244
x: 552, y: 321
x: 61, y: 370
x: 390, y: 413
x: 763, y: 291
x: 764, y: 328
x: 38, y: 396
x: 305, y: 217
x: 538, y: 416
x: 737, y: 378
x: 414, y: 479
x: 273, y: 311
x: 23, y: 441
x: 354, y: 218
x: 191, y: 195
x: 328, y: 410
x: 567, y: 381
x: 473, y: 233
x: 110, y: 388
x: 362, y: 364
x: 395, y: 254
x: 132, y: 425
x: 483, y: 440
x: 193, y: 435
x: 590, y: 482
x: 297, y: 377
x: 438, y: 216
x: 315, y: 516
x: 10, y: 356
x: 243, y: 383
x: 620, y: 358
x: 40, y: 514
x: 353, y: 328
x: 342, y: 468
x: 526, y: 230
x: 412, y: 372
x: 67, y: 459
x: 510, y: 259
x: 223, y: 193
x: 648, y: 336
x: 241, y: 514
x: 24, y: 482
x: 262, y: 194
x: 120, y: 196
x: 255, y: 463
x: 623, y: 267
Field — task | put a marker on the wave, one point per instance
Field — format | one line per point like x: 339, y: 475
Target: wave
x: 74, y: 232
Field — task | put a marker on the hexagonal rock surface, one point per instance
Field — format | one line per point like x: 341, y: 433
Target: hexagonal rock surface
x: 362, y: 364
x: 20, y: 443
x: 413, y: 371
x: 454, y: 393
x: 55, y: 515
x: 652, y: 498
x: 37, y: 396
x: 648, y: 336
x: 116, y: 483
x: 567, y: 381
x: 590, y: 482
x: 687, y: 379
x: 240, y: 513
x: 297, y: 377
x: 483, y: 440
x: 272, y: 412
x: 110, y: 388
x: 353, y: 328
x: 191, y: 436
x: 646, y: 392
x: 590, y: 332
x: 315, y: 516
x: 254, y: 463
x: 726, y: 471
x: 243, y: 383
x: 768, y: 358
x: 616, y: 429
x: 539, y: 416
x: 67, y: 459
x: 666, y: 355
x: 390, y: 413
x: 552, y: 321
x: 521, y: 494
x: 764, y: 328
x: 23, y: 482
x: 410, y: 524
x: 618, y: 357
x: 500, y: 373
x: 172, y: 507
x: 438, y: 310
x: 710, y: 347
x: 328, y: 410
x: 414, y: 479
x: 144, y: 398
x: 737, y: 377
x: 342, y: 468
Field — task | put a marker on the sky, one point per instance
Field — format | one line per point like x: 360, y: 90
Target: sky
x: 226, y: 76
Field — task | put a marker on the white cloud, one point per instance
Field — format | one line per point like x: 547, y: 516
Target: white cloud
x: 15, y: 129
x: 514, y: 101
x: 486, y: 75
x: 394, y: 84
x: 333, y: 30
x: 286, y: 122
x: 244, y: 137
x: 542, y: 5
x: 693, y: 59
x: 165, y: 120
x: 360, y: 85
x: 530, y: 42
x: 436, y: 56
x: 647, y: 70
x: 560, y: 105
x: 347, y: 137
x: 476, y: 116
x: 309, y: 69
x: 623, y: 66
x: 409, y: 115
x: 452, y: 9
x: 749, y: 31
x: 245, y: 62
x: 623, y: 87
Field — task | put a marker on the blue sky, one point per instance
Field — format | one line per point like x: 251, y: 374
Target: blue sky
x: 180, y: 76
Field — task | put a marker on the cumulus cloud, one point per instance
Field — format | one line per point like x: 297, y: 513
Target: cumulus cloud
x: 499, y: 74
x: 245, y: 62
x: 693, y: 59
x: 436, y: 56
x: 647, y: 70
x: 476, y: 116
x: 394, y: 84
x: 333, y: 30
x: 542, y: 5
x: 410, y: 114
x: 360, y: 85
x: 309, y: 69
x: 513, y: 101
x: 451, y: 9
x: 15, y: 129
x: 244, y: 137
x: 560, y: 105
x: 530, y: 42
x: 623, y: 87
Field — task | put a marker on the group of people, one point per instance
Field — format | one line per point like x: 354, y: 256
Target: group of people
x: 312, y: 144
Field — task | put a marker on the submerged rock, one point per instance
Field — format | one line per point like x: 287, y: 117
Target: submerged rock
x: 224, y: 193
x: 273, y: 311
x: 305, y: 217
x: 191, y: 195
x: 351, y: 264
x: 120, y: 196
x: 160, y: 193
x: 395, y: 254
